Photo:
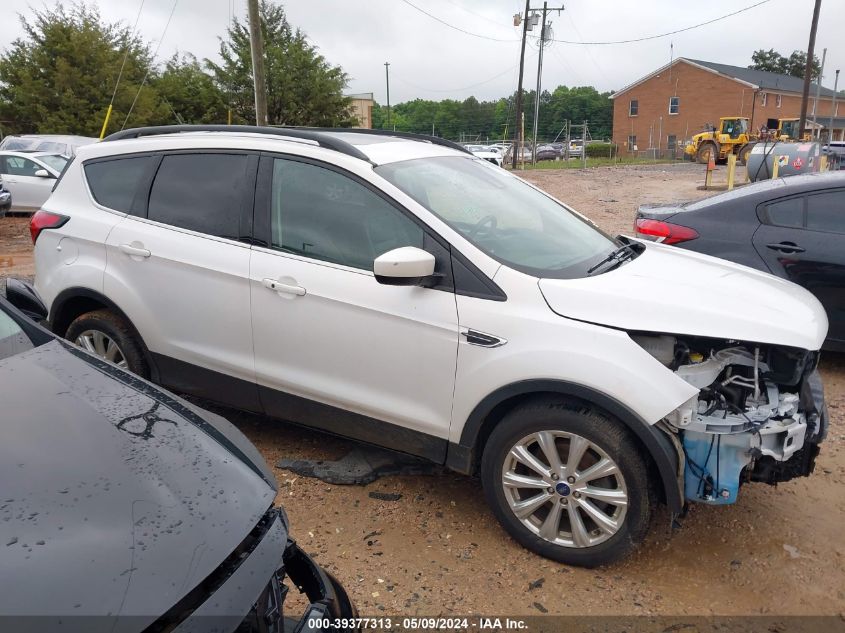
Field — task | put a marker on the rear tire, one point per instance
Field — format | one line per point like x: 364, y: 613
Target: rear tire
x: 110, y: 337
x: 584, y: 520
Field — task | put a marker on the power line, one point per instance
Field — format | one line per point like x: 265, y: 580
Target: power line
x: 654, y: 37
x: 152, y: 61
x: 606, y: 43
x: 480, y: 83
x: 456, y: 28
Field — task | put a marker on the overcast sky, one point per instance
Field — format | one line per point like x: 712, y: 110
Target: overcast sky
x: 432, y: 61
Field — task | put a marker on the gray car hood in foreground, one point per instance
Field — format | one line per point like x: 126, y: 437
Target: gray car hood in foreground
x: 115, y: 497
x: 673, y: 291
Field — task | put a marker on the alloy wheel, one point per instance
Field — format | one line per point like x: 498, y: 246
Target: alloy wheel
x: 565, y: 488
x: 102, y: 345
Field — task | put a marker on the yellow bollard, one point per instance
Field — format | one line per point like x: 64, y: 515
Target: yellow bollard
x: 823, y: 163
x: 105, y: 123
x: 731, y: 170
x: 775, y: 166
x: 708, y: 177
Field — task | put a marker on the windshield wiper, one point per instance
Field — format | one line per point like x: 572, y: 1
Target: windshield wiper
x: 618, y: 256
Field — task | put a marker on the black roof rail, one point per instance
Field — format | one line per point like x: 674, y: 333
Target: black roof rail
x: 434, y: 140
x: 309, y: 134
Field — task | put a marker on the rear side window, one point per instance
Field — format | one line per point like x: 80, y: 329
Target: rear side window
x: 200, y: 192
x: 789, y: 212
x: 826, y: 212
x: 115, y: 183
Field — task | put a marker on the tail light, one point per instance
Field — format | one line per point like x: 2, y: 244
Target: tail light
x: 45, y: 220
x: 664, y: 232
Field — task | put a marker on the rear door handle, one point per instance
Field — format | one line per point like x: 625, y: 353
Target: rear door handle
x: 134, y: 251
x: 786, y: 247
x: 278, y: 286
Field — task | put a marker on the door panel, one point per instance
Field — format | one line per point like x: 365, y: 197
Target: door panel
x: 811, y: 257
x: 187, y: 291
x: 325, y: 330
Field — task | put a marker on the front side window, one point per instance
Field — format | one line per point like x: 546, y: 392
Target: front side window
x: 114, y: 183
x: 674, y: 105
x: 826, y: 212
x: 503, y: 216
x: 200, y: 192
x: 633, y: 107
x: 12, y: 338
x: 322, y: 214
x: 17, y: 166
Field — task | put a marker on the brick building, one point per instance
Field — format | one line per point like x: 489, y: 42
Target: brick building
x: 657, y: 113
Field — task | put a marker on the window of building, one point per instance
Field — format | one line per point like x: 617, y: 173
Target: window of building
x: 114, y: 183
x: 824, y: 212
x: 632, y: 143
x: 674, y: 105
x: 671, y: 141
x: 764, y: 99
x: 200, y: 192
x: 633, y: 107
x: 778, y: 100
x: 322, y: 214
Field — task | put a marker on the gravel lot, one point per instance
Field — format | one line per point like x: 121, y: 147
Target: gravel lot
x: 438, y: 550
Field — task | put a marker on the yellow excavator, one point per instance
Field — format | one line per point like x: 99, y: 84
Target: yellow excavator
x: 733, y: 136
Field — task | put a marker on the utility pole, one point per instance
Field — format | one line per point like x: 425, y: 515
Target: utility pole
x: 387, y: 81
x: 517, y: 146
x: 819, y: 88
x: 833, y: 109
x: 808, y: 71
x: 256, y: 45
x: 543, y: 37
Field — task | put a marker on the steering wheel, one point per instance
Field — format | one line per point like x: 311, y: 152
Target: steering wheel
x: 487, y: 219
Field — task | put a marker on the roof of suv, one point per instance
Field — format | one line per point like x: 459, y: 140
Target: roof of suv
x: 374, y: 146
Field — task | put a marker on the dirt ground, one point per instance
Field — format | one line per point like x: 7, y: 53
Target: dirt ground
x: 437, y: 550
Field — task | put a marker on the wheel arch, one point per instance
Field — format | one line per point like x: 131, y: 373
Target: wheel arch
x: 465, y: 456
x: 73, y: 302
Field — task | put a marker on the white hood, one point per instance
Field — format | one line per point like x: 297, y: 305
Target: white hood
x: 673, y: 291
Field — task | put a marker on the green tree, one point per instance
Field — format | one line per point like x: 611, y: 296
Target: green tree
x: 189, y: 93
x: 302, y: 87
x: 772, y: 61
x: 60, y: 76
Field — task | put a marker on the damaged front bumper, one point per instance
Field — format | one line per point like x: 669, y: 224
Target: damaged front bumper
x: 759, y: 416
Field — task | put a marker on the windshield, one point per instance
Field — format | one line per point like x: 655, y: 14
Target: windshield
x: 502, y: 215
x: 12, y: 338
x: 55, y: 161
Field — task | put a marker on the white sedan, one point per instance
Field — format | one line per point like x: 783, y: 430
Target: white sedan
x: 30, y: 177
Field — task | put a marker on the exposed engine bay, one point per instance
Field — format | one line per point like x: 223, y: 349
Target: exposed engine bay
x: 759, y: 414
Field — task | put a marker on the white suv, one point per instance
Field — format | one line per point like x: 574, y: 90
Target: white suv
x: 397, y: 290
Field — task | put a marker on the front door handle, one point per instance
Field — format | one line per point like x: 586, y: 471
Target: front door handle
x: 134, y: 251
x: 278, y: 286
x: 786, y: 247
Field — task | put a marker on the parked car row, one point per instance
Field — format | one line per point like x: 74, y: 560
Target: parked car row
x: 398, y: 291
x: 63, y: 144
x: 28, y: 179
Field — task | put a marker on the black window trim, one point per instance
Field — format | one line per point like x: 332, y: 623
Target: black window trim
x: 262, y: 230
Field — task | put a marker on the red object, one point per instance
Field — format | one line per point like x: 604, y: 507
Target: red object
x: 670, y: 233
x: 45, y: 220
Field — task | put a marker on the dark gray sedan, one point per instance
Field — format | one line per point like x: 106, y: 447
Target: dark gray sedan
x: 125, y: 508
x: 791, y: 227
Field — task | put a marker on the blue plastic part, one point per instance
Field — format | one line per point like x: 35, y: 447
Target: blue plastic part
x: 711, y: 473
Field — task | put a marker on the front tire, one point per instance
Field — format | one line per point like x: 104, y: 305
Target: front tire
x: 110, y: 337
x: 705, y: 152
x: 567, y: 482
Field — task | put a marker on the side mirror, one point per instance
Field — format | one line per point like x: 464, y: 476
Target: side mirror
x: 405, y: 266
x: 24, y: 297
x: 43, y: 173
